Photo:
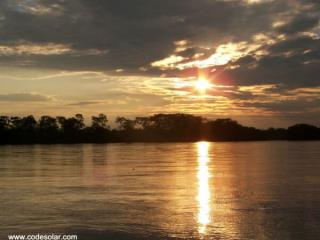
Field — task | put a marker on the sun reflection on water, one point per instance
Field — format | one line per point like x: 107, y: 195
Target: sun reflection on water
x: 203, y: 187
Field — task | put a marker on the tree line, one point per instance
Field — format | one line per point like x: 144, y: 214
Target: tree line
x: 156, y: 128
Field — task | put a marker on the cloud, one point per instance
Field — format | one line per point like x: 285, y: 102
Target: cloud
x: 25, y: 48
x: 83, y: 103
x: 131, y: 32
x: 95, y: 102
x: 167, y: 63
x: 34, y: 49
x: 293, y: 62
x: 286, y: 106
x: 299, y: 24
x: 24, y: 97
x: 36, y: 7
x: 256, y: 52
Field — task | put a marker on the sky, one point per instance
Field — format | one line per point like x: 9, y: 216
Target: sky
x: 260, y: 59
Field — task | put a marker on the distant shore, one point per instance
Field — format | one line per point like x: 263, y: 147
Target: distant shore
x: 156, y: 128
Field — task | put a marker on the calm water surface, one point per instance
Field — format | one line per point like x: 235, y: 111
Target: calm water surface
x: 255, y: 190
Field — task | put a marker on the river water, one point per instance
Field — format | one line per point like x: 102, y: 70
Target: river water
x: 245, y: 190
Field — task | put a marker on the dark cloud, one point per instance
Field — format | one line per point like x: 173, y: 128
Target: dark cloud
x: 285, y: 106
x: 299, y: 24
x: 295, y: 45
x: 106, y: 35
x: 135, y: 33
x: 84, y: 103
x: 293, y: 63
x: 24, y: 97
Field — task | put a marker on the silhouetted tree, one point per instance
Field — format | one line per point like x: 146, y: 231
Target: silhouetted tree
x: 158, y: 127
x: 72, y: 128
x: 48, y: 123
x: 125, y: 124
x: 99, y: 130
x: 15, y: 122
x: 80, y: 121
x: 230, y: 130
x: 48, y: 129
x: 303, y: 132
x: 28, y: 123
x: 4, y: 129
x: 276, y: 133
x: 23, y: 130
x: 99, y: 122
x: 71, y: 124
x: 4, y: 122
x: 60, y: 120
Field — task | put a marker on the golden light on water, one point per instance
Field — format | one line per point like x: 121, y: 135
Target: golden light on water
x: 203, y: 187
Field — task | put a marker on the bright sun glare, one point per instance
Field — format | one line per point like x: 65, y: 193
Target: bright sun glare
x: 202, y: 85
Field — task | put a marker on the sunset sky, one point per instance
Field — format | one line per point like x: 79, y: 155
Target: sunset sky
x: 258, y: 61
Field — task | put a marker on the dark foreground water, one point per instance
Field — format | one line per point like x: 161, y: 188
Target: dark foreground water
x: 250, y: 190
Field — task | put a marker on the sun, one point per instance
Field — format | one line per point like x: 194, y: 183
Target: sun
x: 202, y: 85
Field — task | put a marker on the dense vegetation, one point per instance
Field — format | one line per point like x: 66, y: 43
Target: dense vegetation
x: 156, y: 128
